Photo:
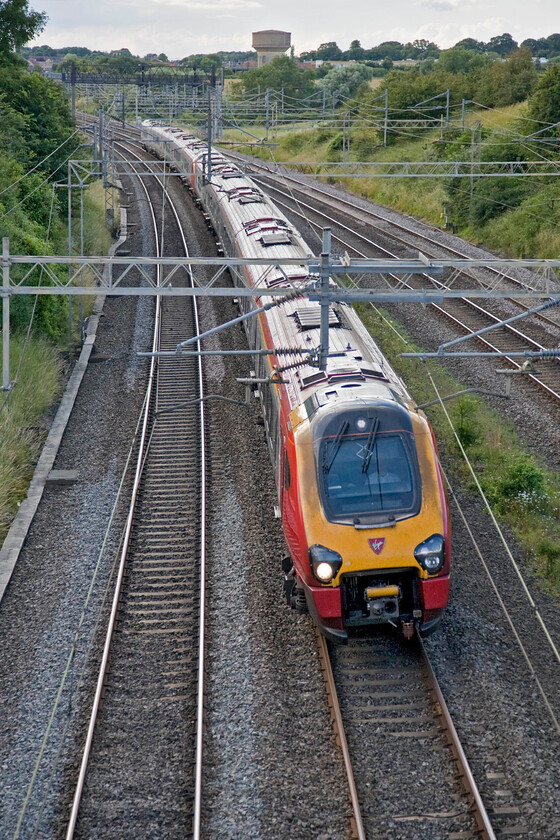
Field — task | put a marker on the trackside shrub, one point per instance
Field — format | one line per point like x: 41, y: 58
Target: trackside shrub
x: 522, y: 483
x: 466, y: 425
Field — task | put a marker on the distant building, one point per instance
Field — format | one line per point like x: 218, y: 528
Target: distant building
x: 42, y: 63
x: 269, y: 44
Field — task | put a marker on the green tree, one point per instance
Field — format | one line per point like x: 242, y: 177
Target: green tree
x: 388, y: 49
x: 471, y: 44
x: 544, y: 106
x: 553, y: 43
x: 281, y: 73
x: 208, y: 61
x: 329, y: 51
x: 43, y: 106
x: 345, y: 82
x: 503, y: 83
x: 460, y: 60
x: 18, y: 25
x: 356, y: 52
x: 502, y: 44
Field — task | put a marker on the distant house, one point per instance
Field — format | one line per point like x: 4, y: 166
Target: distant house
x: 42, y: 63
x: 336, y: 65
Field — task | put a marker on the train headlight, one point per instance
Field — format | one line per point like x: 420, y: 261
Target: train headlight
x: 431, y: 553
x: 325, y: 563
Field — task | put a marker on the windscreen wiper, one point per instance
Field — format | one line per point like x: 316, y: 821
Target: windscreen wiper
x: 335, y: 446
x: 369, y: 445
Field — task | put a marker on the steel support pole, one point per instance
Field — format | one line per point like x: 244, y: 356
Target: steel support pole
x: 386, y: 120
x: 447, y: 110
x: 69, y: 250
x: 73, y: 86
x: 209, y: 161
x: 5, y: 314
x: 267, y: 106
x: 324, y: 275
x: 101, y: 135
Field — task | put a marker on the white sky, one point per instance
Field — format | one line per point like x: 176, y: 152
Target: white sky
x: 182, y: 27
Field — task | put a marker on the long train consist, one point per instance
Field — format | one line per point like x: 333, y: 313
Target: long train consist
x: 359, y: 483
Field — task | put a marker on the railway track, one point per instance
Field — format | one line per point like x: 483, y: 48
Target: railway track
x: 539, y: 333
x: 408, y: 775
x: 384, y: 711
x: 143, y: 750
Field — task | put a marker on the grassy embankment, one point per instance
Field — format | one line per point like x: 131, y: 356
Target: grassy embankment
x: 39, y: 380
x: 532, y: 229
x: 520, y: 489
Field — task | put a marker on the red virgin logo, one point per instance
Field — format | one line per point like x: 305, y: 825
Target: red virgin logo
x: 377, y: 544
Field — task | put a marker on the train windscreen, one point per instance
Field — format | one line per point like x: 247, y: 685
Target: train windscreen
x: 366, y: 469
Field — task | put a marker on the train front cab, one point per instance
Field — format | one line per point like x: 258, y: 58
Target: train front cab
x: 375, y: 517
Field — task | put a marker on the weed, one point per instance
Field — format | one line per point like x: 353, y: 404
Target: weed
x: 466, y: 425
x: 549, y: 551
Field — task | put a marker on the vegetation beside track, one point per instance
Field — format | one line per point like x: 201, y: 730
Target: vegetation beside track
x: 37, y: 139
x: 522, y: 492
x: 515, y: 216
x: 22, y: 429
x: 39, y: 364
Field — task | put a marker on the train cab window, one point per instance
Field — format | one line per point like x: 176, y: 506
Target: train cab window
x: 367, y: 468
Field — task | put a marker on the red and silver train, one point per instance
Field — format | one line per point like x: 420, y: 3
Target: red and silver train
x: 360, y: 488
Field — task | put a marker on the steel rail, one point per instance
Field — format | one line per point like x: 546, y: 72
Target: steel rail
x: 467, y: 778
x: 336, y: 714
x: 122, y: 565
x: 197, y: 816
x: 350, y: 210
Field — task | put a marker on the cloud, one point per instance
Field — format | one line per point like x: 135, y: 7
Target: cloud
x: 449, y: 5
x: 211, y: 6
x: 447, y: 35
x: 441, y: 5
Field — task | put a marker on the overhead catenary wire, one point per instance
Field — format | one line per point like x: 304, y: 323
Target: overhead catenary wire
x: 40, y: 163
x: 42, y: 184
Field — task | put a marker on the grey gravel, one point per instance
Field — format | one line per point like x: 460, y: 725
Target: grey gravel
x: 272, y: 767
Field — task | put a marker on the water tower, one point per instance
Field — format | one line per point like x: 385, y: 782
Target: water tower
x: 269, y: 44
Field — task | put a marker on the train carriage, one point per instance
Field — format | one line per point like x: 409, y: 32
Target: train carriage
x: 360, y: 489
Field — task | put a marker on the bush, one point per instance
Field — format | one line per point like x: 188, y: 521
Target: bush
x: 522, y: 483
x: 466, y: 425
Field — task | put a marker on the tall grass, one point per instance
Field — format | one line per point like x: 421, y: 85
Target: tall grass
x: 22, y: 427
x: 22, y: 430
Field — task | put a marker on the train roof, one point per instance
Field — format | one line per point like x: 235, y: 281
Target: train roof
x: 260, y: 229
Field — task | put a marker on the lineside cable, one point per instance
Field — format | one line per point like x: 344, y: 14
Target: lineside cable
x: 76, y: 638
x: 504, y: 542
